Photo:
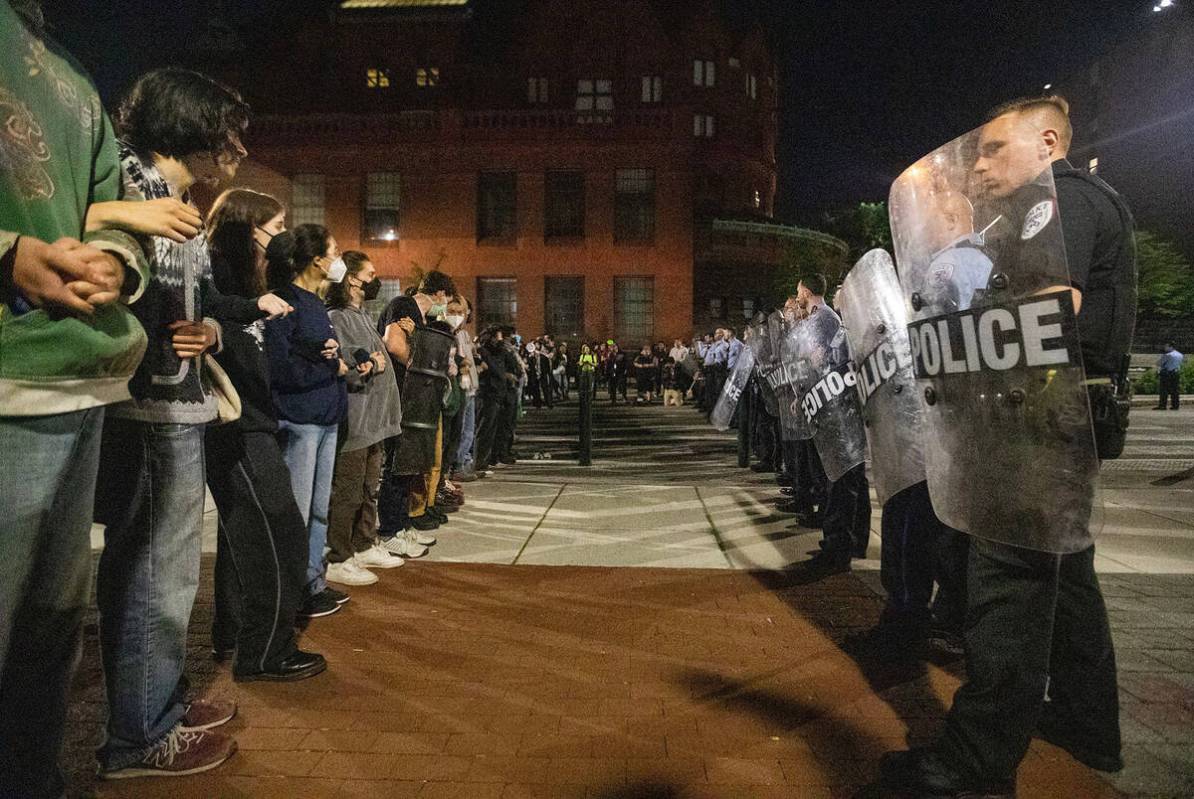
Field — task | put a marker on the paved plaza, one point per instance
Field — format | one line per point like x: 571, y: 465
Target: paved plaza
x: 643, y: 628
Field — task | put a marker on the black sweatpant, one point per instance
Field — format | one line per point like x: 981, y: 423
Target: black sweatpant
x: 261, y: 551
x: 393, y: 497
x: 1032, y: 619
x: 492, y: 419
x: 846, y: 525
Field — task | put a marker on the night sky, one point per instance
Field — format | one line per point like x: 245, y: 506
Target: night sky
x: 868, y: 86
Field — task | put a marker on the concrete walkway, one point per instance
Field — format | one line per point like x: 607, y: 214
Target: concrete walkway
x: 522, y: 657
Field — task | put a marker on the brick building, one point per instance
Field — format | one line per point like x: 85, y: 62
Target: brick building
x: 579, y: 171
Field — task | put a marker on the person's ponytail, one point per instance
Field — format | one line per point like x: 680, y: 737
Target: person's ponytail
x: 279, y: 261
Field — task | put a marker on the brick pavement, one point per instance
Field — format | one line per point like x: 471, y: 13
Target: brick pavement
x: 473, y: 681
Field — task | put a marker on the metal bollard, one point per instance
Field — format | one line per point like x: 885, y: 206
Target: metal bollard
x: 584, y: 383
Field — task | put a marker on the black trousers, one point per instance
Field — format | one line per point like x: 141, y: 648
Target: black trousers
x: 261, y: 551
x: 393, y: 497
x: 1169, y: 389
x: 492, y: 427
x: 918, y: 550
x: 1032, y: 619
x: 846, y: 525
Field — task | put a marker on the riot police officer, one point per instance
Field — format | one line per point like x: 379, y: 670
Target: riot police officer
x: 1037, y: 620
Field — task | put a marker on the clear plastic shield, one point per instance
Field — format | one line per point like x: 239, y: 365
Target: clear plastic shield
x: 1009, y: 449
x: 876, y: 322
x: 727, y: 403
x: 791, y: 419
x: 824, y: 381
x: 759, y: 341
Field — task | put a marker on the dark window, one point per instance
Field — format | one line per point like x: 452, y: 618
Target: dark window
x: 382, y: 191
x: 497, y: 301
x: 497, y: 205
x: 717, y: 308
x: 537, y: 91
x: 634, y: 309
x: 564, y: 304
x: 564, y: 209
x: 652, y: 89
x: 634, y: 205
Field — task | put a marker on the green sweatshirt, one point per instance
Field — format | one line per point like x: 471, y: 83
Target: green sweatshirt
x: 57, y: 156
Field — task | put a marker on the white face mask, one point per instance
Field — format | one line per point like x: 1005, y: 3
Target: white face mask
x: 455, y: 320
x: 337, y: 270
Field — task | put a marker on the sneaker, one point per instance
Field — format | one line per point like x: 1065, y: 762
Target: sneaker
x: 349, y: 573
x: 378, y: 557
x: 207, y: 714
x: 339, y: 597
x: 465, y: 477
x: 319, y: 605
x: 180, y: 753
x: 424, y: 522
x: 424, y: 539
x: 406, y: 544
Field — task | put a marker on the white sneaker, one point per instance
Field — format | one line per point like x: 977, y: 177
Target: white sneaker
x: 349, y: 573
x: 421, y: 538
x: 406, y: 544
x: 377, y: 557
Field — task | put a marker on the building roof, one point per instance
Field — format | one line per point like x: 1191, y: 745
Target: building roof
x: 359, y: 4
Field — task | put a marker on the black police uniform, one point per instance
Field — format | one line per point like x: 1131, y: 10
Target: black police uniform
x: 1037, y: 620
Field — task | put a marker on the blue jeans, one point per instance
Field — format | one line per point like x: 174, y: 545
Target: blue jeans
x: 310, y: 452
x: 48, y: 466
x: 468, y: 433
x: 151, y: 499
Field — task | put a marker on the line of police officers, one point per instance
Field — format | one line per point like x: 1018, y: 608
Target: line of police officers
x: 984, y: 382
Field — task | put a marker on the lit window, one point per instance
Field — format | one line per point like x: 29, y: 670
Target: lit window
x: 306, y: 200
x: 652, y: 89
x: 377, y: 78
x: 382, y: 191
x: 752, y: 87
x: 536, y: 90
x: 748, y: 307
x: 427, y: 77
x: 702, y: 126
x: 704, y: 73
x: 594, y: 95
x: 735, y: 63
x: 1093, y: 166
x: 757, y: 199
x: 717, y: 308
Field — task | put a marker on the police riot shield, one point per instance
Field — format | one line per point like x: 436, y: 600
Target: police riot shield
x: 765, y: 364
x: 791, y: 419
x: 824, y: 382
x: 876, y: 323
x: 1009, y: 447
x: 727, y: 402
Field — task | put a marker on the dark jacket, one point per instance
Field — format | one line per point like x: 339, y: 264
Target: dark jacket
x: 305, y: 385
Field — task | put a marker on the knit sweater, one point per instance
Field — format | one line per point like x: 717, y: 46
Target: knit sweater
x: 166, y: 388
x: 58, y: 155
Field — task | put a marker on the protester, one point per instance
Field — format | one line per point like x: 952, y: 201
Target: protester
x: 307, y: 382
x: 374, y: 414
x: 178, y: 129
x: 57, y: 294
x: 1169, y: 370
x: 672, y: 395
x: 261, y: 548
x: 460, y: 313
x: 419, y: 456
x: 645, y: 364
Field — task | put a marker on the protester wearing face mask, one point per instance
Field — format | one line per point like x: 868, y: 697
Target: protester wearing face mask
x: 261, y: 550
x: 461, y: 456
x: 307, y: 382
x: 374, y: 414
x: 417, y: 455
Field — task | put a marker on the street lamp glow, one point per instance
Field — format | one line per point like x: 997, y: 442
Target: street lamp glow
x: 1048, y: 86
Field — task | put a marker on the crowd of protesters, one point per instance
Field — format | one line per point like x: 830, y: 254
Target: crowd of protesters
x: 152, y: 352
